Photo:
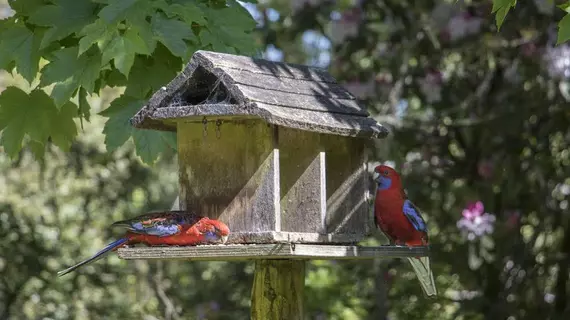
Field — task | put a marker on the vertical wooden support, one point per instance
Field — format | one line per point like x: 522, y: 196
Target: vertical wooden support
x: 303, y: 181
x: 346, y: 186
x: 278, y: 287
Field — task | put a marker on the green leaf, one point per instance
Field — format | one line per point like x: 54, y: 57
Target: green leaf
x: 122, y: 49
x: 118, y: 129
x: 217, y: 44
x: 172, y: 34
x: 65, y: 64
x: 501, y: 8
x: 565, y: 6
x: 188, y: 11
x: 83, y: 106
x: 231, y: 26
x: 151, y: 143
x: 63, y: 91
x: 26, y: 7
x: 498, y: 4
x: 144, y: 30
x: 564, y: 29
x: 150, y: 74
x: 64, y: 17
x: 22, y: 46
x: 117, y: 10
x: 500, y: 16
x: 38, y: 149
x: 63, y: 121
x: 98, y: 32
x: 36, y: 116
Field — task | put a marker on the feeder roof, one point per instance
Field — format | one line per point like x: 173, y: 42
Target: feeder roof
x: 225, y: 85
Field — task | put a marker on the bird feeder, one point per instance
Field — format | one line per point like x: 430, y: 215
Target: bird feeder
x: 276, y: 151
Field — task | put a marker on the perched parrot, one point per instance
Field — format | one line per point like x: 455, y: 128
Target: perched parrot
x: 402, y: 222
x: 178, y: 228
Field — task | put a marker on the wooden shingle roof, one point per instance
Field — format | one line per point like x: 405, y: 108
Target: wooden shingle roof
x: 225, y: 85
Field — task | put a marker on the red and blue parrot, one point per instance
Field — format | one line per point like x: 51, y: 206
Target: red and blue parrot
x: 402, y: 222
x: 178, y: 228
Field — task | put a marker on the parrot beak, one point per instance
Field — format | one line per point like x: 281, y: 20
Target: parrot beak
x: 376, y: 176
x: 224, y: 239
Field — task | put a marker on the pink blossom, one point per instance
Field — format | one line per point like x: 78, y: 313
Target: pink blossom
x: 476, y: 222
x: 473, y: 210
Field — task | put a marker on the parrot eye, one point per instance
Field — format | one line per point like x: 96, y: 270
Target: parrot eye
x: 386, y: 172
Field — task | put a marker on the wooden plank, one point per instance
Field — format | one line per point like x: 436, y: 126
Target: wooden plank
x: 338, y: 124
x: 261, y: 66
x: 297, y: 86
x: 302, y: 101
x: 278, y: 287
x: 347, y: 186
x: 303, y: 203
x: 230, y: 174
x: 292, y: 237
x: 271, y: 251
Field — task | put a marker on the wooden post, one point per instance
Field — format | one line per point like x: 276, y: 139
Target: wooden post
x: 278, y: 287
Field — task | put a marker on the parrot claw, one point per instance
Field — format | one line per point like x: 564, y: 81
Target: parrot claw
x: 224, y: 239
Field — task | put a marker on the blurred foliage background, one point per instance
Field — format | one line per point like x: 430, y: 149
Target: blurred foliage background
x: 480, y: 124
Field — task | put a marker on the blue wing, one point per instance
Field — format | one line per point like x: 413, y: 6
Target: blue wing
x: 413, y: 214
x: 161, y: 224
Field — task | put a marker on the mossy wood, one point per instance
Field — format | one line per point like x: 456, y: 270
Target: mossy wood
x: 277, y: 151
x: 278, y: 287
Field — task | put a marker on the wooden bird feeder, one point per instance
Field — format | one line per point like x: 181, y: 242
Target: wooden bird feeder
x: 276, y: 151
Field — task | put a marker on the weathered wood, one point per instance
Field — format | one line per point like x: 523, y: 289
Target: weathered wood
x: 344, y: 125
x: 247, y: 77
x: 276, y: 69
x: 278, y: 288
x: 302, y: 171
x: 298, y: 97
x: 293, y: 237
x: 271, y: 251
x: 295, y: 101
x: 347, y: 186
x: 230, y: 173
x: 351, y: 126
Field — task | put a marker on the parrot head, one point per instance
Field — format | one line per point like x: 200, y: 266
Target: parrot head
x: 214, y: 230
x: 386, y: 177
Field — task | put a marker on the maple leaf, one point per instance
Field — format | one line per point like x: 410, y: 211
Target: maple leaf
x: 172, y: 34
x: 149, y: 144
x: 64, y: 17
x: 35, y: 116
x: 500, y: 9
x: 163, y: 66
x: 564, y: 29
x: 22, y: 46
x: 71, y: 71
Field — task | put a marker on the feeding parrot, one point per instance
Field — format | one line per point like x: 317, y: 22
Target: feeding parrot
x: 402, y: 222
x: 163, y: 228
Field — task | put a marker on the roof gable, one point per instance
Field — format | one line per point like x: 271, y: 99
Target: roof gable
x: 296, y: 96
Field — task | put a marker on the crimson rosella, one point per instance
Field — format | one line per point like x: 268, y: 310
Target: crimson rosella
x: 163, y: 228
x: 402, y: 222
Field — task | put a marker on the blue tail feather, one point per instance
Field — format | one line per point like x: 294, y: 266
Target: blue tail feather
x: 95, y: 257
